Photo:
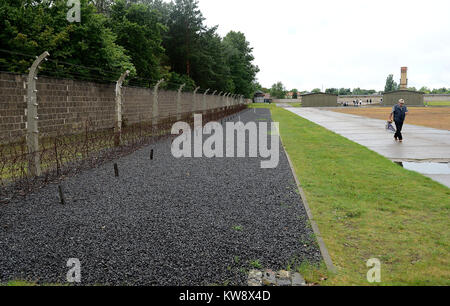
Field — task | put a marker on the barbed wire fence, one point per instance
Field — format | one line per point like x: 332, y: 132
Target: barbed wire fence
x: 30, y: 158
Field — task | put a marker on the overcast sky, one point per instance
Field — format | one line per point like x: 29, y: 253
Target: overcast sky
x: 345, y: 43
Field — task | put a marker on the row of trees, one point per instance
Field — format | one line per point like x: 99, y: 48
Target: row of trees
x: 348, y: 91
x: 391, y: 85
x: 154, y: 39
x: 279, y: 91
x: 434, y: 91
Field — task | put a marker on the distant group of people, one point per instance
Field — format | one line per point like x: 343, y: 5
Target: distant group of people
x: 357, y: 103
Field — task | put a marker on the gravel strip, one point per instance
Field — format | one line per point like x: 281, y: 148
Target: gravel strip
x: 166, y: 221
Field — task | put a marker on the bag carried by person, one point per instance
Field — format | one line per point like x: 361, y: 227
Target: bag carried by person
x: 390, y: 127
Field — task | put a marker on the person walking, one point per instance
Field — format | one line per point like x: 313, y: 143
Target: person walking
x: 399, y: 113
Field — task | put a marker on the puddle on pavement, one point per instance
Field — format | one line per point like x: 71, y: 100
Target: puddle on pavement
x: 426, y: 168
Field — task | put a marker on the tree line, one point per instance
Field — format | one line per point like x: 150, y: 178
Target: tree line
x: 391, y: 85
x: 279, y: 91
x: 153, y: 39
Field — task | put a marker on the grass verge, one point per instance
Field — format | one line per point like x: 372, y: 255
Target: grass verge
x: 438, y: 103
x: 368, y: 207
x: 21, y: 283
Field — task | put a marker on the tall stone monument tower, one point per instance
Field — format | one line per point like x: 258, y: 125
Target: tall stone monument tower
x: 404, y: 79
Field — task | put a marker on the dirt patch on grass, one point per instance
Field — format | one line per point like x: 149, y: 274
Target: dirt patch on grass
x: 438, y: 118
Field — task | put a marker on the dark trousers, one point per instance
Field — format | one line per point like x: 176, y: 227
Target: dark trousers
x: 399, y: 126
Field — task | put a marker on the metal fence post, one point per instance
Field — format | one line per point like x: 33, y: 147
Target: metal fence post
x: 204, y: 100
x: 155, y: 108
x: 118, y: 125
x: 34, y: 160
x: 179, y: 101
x: 227, y: 102
x: 194, y: 100
x: 223, y: 101
x: 214, y: 102
x: 218, y: 101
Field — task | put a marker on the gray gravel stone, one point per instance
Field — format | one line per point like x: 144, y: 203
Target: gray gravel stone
x: 255, y: 278
x: 283, y: 274
x: 298, y: 280
x: 284, y: 282
x: 156, y: 225
x: 269, y: 278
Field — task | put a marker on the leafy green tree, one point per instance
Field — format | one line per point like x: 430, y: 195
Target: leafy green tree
x: 294, y: 93
x: 316, y: 90
x: 210, y: 68
x: 334, y: 91
x: 103, y: 6
x: 139, y: 32
x: 391, y: 85
x: 278, y: 91
x: 345, y: 91
x: 425, y: 89
x: 153, y: 38
x: 439, y: 91
x: 258, y: 87
x: 182, y: 42
x: 239, y: 58
x: 32, y: 27
x: 359, y: 91
x: 173, y: 81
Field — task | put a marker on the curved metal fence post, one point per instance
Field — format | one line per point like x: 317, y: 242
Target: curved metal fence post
x: 227, y: 100
x: 155, y: 108
x: 118, y: 125
x: 223, y: 101
x: 194, y: 100
x: 34, y: 160
x: 214, y: 101
x: 218, y: 101
x: 204, y: 100
x: 179, y: 101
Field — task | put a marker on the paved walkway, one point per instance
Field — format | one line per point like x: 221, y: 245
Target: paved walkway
x: 421, y: 144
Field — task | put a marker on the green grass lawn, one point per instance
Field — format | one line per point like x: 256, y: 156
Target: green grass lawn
x: 21, y: 283
x: 368, y: 207
x: 439, y: 103
x: 262, y: 105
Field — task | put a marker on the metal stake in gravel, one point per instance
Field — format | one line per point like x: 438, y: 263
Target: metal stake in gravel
x: 116, y: 170
x: 151, y: 154
x: 62, y: 200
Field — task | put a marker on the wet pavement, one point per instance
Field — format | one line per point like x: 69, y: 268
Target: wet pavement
x: 421, y: 144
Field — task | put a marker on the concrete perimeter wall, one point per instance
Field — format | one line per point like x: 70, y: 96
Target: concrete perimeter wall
x: 376, y: 99
x: 66, y: 105
x: 437, y: 98
x: 299, y: 100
